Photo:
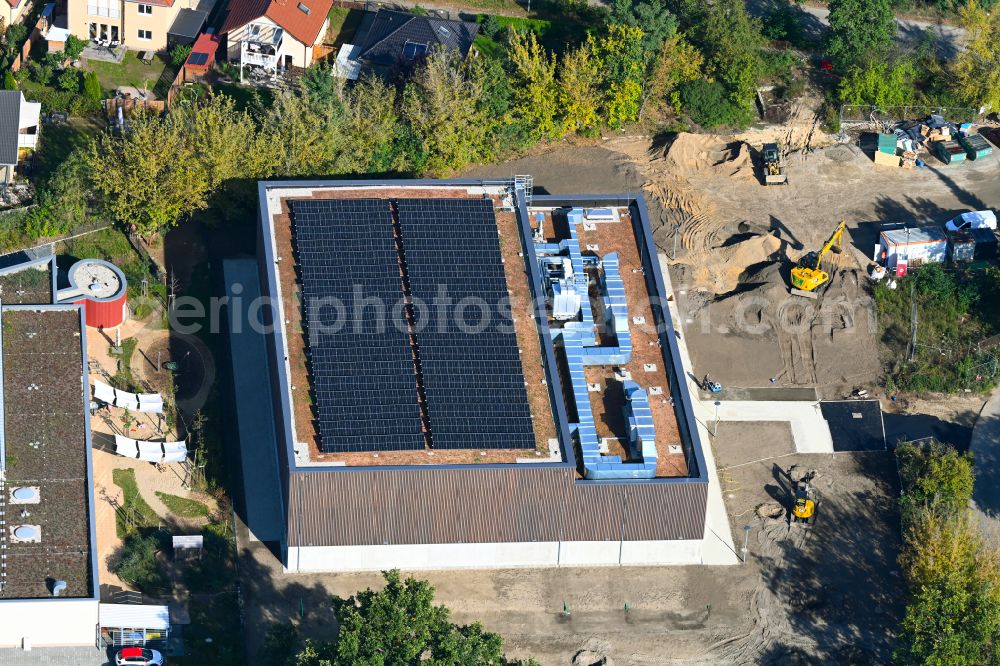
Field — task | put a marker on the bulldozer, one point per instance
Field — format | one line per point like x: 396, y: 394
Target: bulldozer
x: 808, y: 276
x: 774, y: 168
x: 805, y: 504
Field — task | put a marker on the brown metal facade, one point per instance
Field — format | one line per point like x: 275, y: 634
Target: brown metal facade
x: 520, y: 503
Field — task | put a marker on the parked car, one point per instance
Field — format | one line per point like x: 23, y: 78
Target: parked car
x: 138, y: 656
x: 973, y: 220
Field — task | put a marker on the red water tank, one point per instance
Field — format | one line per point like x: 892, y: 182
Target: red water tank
x: 101, y: 288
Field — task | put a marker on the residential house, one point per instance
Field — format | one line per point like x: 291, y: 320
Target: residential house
x: 275, y: 35
x: 149, y: 25
x: 11, y: 11
x: 398, y: 37
x: 18, y: 130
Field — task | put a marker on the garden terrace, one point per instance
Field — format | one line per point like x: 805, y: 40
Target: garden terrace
x: 46, y: 446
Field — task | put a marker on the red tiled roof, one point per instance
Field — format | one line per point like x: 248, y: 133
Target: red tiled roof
x: 206, y: 44
x: 288, y: 14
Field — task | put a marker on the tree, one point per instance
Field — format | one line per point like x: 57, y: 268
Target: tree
x: 63, y: 200
x: 373, y: 127
x: 533, y: 71
x: 655, y: 20
x: 622, y: 59
x: 580, y: 89
x: 9, y: 82
x: 400, y: 624
x: 883, y: 83
x: 731, y: 40
x: 443, y: 107
x: 74, y: 47
x: 319, y: 84
x: 976, y: 68
x: 953, y: 614
x: 92, y: 88
x: 148, y: 176
x: 935, y: 475
x: 69, y: 81
x: 306, y: 137
x: 861, y: 31
x: 677, y: 62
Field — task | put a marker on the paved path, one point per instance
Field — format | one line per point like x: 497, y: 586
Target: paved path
x: 985, y: 449
x: 810, y: 430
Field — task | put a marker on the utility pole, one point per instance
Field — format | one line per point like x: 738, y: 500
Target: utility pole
x: 746, y: 539
x: 913, y: 322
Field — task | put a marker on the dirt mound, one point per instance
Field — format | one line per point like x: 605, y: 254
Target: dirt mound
x: 720, y: 270
x: 698, y: 152
x: 770, y: 511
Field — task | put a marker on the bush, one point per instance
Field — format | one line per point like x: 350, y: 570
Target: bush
x: 490, y: 26
x: 39, y: 72
x: 934, y: 475
x: 92, y: 88
x: 831, y: 118
x: 708, y: 104
x: 880, y: 83
x: 9, y: 83
x: 179, y: 54
x: 69, y: 81
x: 136, y: 564
x: 74, y: 47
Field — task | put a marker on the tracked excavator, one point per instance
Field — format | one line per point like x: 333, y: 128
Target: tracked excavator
x: 808, y: 276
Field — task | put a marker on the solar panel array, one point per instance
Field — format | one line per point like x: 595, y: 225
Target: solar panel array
x: 473, y: 379
x: 361, y: 359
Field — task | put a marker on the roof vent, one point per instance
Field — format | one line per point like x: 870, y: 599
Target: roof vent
x: 58, y: 587
x: 303, y: 8
x: 444, y: 31
x: 26, y: 533
x: 24, y: 495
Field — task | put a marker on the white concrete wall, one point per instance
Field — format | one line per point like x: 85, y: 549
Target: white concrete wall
x: 492, y: 555
x: 48, y: 622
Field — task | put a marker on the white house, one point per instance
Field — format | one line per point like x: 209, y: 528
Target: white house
x: 276, y: 34
x: 18, y: 130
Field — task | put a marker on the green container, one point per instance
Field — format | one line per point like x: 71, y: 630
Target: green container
x: 950, y: 152
x: 887, y: 144
x: 975, y: 146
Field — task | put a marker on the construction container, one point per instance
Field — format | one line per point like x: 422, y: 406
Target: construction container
x: 949, y: 152
x: 961, y: 246
x: 914, y: 245
x: 887, y: 144
x: 975, y: 146
x: 986, y: 244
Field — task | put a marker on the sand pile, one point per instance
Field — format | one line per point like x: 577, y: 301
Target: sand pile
x: 698, y: 152
x: 720, y: 271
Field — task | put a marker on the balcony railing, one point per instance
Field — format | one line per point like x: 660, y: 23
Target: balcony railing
x: 254, y: 58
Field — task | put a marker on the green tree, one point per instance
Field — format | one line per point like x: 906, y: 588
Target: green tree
x: 74, y: 47
x: 953, y: 613
x: 135, y: 563
x: 580, y: 89
x: 92, y: 88
x: 69, y: 80
x: 883, y: 83
x: 64, y: 199
x: 677, y: 62
x: 708, y: 104
x: 9, y: 83
x: 655, y: 20
x: 622, y: 59
x: 730, y: 40
x: 306, y: 137
x: 934, y: 475
x: 443, y: 106
x: 400, y: 624
x: 533, y: 73
x: 148, y: 177
x: 976, y: 68
x: 373, y: 127
x: 319, y: 83
x: 861, y: 31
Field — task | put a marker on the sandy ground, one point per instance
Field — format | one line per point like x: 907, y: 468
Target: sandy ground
x: 733, y: 241
x: 826, y: 594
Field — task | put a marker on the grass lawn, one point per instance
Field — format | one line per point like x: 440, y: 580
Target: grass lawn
x: 182, y: 506
x: 343, y: 25
x: 157, y: 76
x: 554, y: 33
x: 132, y: 504
x: 246, y: 97
x: 58, y: 141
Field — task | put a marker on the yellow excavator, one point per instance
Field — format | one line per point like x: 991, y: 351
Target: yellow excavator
x: 808, y: 275
x: 804, y: 505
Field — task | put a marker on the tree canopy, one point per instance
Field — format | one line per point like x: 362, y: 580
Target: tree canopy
x: 860, y: 31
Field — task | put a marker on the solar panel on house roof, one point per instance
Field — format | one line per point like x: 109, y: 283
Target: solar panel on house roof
x: 197, y: 58
x: 472, y: 375
x: 360, y: 357
x: 413, y: 50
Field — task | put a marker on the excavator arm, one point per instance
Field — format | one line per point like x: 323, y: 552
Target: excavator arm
x: 834, y: 241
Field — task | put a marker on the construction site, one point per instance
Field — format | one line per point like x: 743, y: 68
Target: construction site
x: 792, y: 392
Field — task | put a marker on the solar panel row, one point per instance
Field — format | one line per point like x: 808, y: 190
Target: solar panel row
x: 362, y: 360
x: 473, y: 380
